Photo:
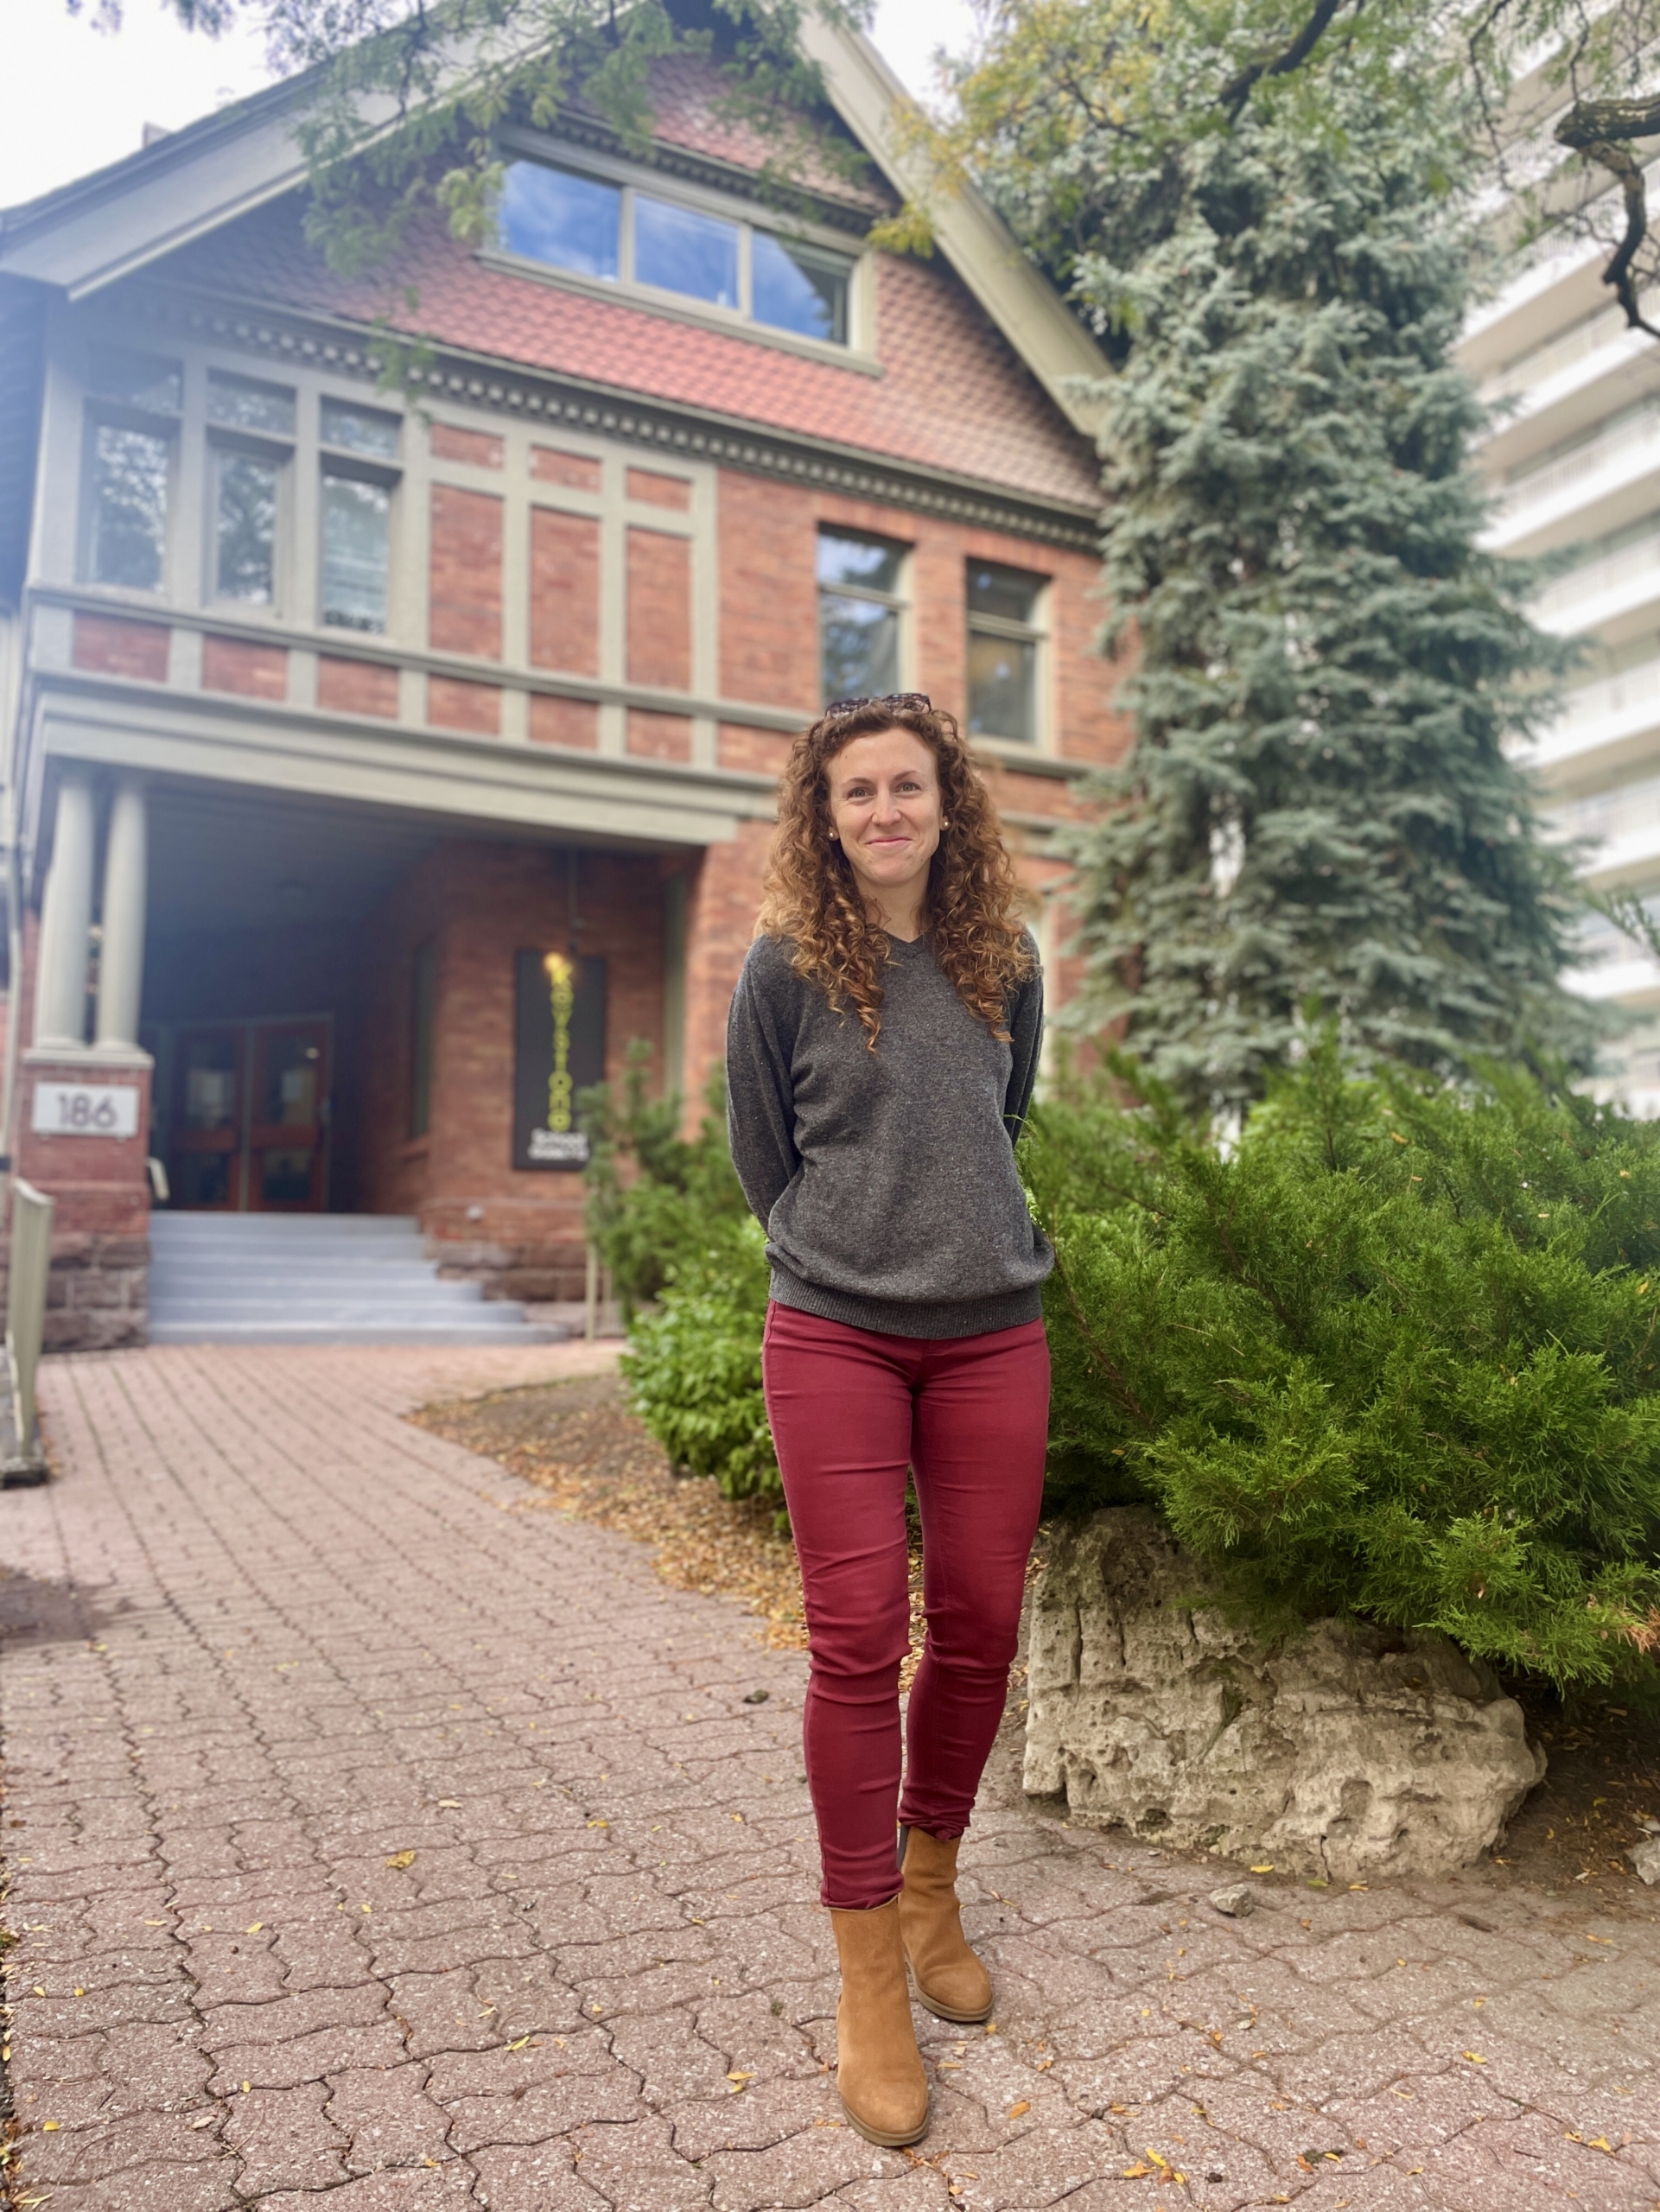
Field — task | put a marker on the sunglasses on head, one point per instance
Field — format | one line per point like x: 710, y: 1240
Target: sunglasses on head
x: 909, y: 702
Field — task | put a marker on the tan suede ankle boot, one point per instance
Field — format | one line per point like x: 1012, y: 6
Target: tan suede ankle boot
x: 950, y: 1980
x: 878, y: 2066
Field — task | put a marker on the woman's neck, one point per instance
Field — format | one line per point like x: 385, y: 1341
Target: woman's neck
x: 900, y: 911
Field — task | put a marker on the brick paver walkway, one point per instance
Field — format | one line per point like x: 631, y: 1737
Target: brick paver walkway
x: 379, y: 1837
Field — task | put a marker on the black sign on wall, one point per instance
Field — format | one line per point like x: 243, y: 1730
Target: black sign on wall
x: 558, y: 1049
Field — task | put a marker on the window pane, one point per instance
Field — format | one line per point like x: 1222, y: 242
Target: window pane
x: 685, y: 252
x: 1010, y: 593
x: 249, y: 406
x: 795, y: 289
x: 1001, y: 675
x: 355, y: 518
x: 246, y: 531
x: 859, y: 647
x: 570, y: 222
x: 868, y: 561
x: 359, y: 429
x: 129, y: 506
x: 139, y: 379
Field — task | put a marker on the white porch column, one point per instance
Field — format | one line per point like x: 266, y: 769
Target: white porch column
x: 66, y: 921
x: 121, y: 954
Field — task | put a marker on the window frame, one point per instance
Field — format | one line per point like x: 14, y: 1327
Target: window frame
x: 898, y: 601
x: 353, y: 464
x: 100, y: 412
x: 633, y: 179
x: 223, y: 440
x: 1034, y: 632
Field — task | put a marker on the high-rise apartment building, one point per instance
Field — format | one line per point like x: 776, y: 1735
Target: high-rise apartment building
x: 1574, y: 461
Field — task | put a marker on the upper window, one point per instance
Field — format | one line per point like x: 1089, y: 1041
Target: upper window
x: 859, y: 608
x: 620, y: 234
x: 133, y: 428
x: 252, y: 437
x: 1004, y: 638
x: 357, y: 513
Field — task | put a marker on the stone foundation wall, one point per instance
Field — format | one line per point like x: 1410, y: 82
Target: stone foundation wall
x: 98, y: 1293
x: 531, y: 1272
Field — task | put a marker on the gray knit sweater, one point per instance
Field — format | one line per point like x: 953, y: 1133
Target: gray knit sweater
x: 885, y: 1180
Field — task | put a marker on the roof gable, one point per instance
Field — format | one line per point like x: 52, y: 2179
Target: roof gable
x: 122, y: 219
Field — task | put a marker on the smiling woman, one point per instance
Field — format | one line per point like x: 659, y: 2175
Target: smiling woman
x: 905, y: 1339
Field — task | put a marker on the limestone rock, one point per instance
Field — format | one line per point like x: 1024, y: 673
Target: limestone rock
x: 1645, y: 1858
x: 1238, y: 1901
x: 1346, y: 1752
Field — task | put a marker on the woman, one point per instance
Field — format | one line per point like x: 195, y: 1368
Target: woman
x: 880, y: 1055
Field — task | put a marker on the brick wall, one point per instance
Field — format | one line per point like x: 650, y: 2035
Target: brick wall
x: 465, y: 616
x: 520, y: 1232
x: 565, y: 591
x: 114, y: 646
x: 725, y: 892
x: 659, y: 609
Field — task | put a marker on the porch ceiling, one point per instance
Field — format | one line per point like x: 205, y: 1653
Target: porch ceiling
x: 224, y: 859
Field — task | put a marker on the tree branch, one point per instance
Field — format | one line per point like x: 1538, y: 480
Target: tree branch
x: 1238, y: 89
x: 1602, y: 131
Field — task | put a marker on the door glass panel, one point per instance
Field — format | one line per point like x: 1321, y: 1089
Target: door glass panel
x: 208, y: 1081
x: 293, y: 1063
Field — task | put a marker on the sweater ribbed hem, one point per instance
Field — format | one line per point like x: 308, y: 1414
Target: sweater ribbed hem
x: 886, y: 1317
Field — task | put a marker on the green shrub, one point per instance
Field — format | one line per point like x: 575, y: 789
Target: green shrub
x: 1394, y: 1353
x: 657, y: 1202
x: 694, y: 1371
x: 672, y: 1226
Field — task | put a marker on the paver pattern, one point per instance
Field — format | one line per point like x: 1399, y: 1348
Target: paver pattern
x: 377, y: 1835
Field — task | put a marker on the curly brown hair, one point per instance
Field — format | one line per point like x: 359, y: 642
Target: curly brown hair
x: 811, y: 897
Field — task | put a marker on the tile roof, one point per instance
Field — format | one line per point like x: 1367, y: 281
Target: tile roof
x: 953, y: 395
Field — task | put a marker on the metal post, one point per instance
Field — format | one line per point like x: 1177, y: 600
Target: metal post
x: 31, y: 1267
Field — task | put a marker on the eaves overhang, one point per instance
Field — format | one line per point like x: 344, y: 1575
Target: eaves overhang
x: 493, y: 382
x: 124, y: 218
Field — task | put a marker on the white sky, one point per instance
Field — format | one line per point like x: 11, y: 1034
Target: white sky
x: 73, y: 99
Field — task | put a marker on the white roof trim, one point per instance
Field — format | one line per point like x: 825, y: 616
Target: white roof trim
x: 977, y: 242
x: 111, y: 225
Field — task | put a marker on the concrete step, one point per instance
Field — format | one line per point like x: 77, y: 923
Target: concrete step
x: 304, y: 1272
x: 306, y: 1331
x: 316, y: 1279
x: 216, y: 1227
x: 322, y: 1301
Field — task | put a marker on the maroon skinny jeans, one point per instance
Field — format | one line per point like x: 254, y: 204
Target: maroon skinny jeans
x: 852, y: 1412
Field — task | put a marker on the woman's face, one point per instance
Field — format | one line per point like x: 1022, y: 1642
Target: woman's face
x: 884, y: 804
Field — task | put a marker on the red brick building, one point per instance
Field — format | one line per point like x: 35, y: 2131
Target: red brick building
x: 348, y: 730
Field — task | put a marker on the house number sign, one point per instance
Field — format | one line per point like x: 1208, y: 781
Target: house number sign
x: 85, y: 1109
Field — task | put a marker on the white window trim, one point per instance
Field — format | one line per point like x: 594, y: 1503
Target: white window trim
x: 899, y: 599
x: 1036, y: 632
x: 98, y: 412
x: 859, y: 353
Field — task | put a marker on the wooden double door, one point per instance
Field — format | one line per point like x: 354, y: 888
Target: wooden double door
x: 249, y: 1125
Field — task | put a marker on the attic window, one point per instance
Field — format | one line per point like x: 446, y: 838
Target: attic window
x: 616, y: 233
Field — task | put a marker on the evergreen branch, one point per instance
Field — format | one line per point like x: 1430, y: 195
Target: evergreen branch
x: 1099, y: 1354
